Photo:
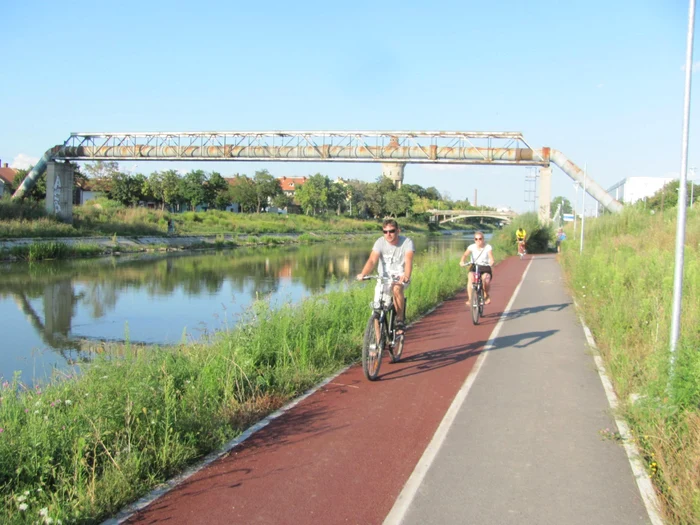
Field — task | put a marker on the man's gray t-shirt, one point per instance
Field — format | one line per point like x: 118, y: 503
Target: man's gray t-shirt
x: 392, y: 258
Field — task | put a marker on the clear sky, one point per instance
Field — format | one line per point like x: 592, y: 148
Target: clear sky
x: 600, y: 81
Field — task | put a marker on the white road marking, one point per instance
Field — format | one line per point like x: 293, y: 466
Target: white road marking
x: 403, y: 502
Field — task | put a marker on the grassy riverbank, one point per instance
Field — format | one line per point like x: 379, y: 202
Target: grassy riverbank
x: 107, y: 218
x: 624, y: 285
x: 80, y: 448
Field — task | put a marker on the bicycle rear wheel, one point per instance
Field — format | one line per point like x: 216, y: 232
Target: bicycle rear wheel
x: 372, y: 347
x: 476, y: 293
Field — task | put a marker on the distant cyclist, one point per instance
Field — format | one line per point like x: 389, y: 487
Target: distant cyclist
x: 521, y: 237
x: 482, y: 254
x: 394, y: 253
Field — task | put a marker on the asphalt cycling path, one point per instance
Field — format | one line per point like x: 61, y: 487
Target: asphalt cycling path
x: 343, y: 454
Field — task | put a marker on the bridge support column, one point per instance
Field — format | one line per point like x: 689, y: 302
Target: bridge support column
x: 59, y: 190
x: 394, y: 171
x: 545, y: 194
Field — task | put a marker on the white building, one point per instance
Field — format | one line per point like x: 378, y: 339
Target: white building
x: 632, y: 189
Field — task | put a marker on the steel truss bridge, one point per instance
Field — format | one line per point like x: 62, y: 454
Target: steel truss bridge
x: 393, y: 149
x: 451, y: 147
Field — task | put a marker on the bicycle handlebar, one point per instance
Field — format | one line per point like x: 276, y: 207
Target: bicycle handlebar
x: 470, y: 263
x: 390, y: 279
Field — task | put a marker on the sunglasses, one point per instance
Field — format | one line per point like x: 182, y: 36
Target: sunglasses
x: 389, y: 231
x: 478, y: 238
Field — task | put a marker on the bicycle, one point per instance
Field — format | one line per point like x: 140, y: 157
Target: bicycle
x: 380, y: 333
x: 521, y: 248
x: 477, y: 303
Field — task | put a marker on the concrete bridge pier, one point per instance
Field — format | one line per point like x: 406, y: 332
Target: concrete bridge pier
x: 394, y: 171
x: 545, y: 198
x: 59, y: 190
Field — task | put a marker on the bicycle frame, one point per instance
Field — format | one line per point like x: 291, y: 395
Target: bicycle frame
x: 380, y: 334
x: 386, y: 312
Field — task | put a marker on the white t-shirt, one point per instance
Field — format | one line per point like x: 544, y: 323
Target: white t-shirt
x: 392, y: 258
x: 479, y: 255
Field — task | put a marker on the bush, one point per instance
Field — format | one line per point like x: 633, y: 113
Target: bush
x: 21, y: 210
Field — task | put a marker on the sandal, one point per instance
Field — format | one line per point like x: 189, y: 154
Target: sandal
x: 400, y: 327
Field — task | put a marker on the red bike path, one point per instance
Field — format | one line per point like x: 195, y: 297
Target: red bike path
x: 343, y: 454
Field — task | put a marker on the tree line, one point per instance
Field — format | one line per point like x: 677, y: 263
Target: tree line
x: 318, y: 195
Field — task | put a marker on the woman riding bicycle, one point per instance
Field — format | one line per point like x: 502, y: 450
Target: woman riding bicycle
x: 394, y: 252
x: 481, y: 254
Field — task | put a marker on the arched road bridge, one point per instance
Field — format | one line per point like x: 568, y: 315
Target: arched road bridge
x: 392, y: 149
x: 453, y: 215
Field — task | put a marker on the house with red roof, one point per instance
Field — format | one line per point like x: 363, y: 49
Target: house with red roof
x: 7, y: 177
x: 290, y: 184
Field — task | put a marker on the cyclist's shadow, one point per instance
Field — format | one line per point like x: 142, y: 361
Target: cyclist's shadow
x: 430, y: 360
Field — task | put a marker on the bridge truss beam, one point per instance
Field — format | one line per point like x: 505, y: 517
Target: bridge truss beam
x: 432, y: 147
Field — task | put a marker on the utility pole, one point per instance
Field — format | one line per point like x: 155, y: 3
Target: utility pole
x: 692, y: 186
x: 583, y: 205
x: 681, y: 217
x: 575, y: 205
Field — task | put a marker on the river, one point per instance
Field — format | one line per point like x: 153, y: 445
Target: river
x: 58, y: 313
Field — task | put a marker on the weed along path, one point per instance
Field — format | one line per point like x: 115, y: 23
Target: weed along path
x: 344, y: 453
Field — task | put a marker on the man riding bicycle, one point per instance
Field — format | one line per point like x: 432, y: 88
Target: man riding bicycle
x: 520, y: 236
x: 482, y: 254
x: 394, y: 252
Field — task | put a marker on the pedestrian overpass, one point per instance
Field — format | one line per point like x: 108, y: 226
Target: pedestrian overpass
x: 392, y: 149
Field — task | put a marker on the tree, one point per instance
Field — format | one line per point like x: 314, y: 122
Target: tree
x: 312, y: 196
x: 375, y: 195
x: 171, y: 188
x: 155, y: 188
x: 193, y: 188
x: 102, y: 173
x: 243, y: 192
x: 126, y: 189
x: 282, y: 201
x: 217, y: 191
x: 266, y: 187
x: 565, y: 205
x: 337, y: 196
x: 398, y: 202
x: 356, y: 197
x: 433, y: 194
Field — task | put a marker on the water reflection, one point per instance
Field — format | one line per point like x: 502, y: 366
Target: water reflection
x: 53, y: 314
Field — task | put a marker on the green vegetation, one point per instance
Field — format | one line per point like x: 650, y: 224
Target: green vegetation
x: 81, y: 448
x: 624, y: 285
x: 53, y: 250
x: 103, y: 217
x: 540, y: 238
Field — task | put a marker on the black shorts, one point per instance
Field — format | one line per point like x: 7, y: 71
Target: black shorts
x: 484, y: 269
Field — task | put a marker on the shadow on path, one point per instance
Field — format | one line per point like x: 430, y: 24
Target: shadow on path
x: 436, y: 359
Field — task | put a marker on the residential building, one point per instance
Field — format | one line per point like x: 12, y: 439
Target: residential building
x: 289, y: 185
x: 633, y: 189
x: 7, y: 177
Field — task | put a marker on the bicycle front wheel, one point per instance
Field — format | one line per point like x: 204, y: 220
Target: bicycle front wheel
x: 476, y: 293
x: 372, y: 347
x: 398, y: 348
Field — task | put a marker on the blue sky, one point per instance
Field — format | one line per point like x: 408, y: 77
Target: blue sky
x: 600, y: 81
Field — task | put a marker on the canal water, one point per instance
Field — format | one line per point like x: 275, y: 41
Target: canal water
x: 56, y: 314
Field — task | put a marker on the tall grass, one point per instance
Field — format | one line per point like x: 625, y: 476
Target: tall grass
x: 81, y: 448
x: 624, y: 284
